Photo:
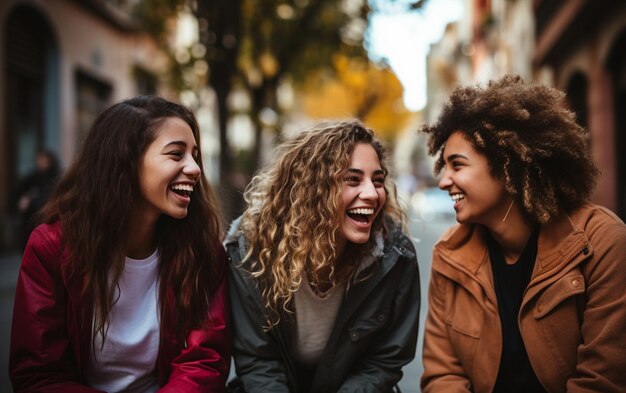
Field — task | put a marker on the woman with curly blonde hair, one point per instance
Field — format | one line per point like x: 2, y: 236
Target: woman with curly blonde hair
x: 526, y: 294
x: 324, y: 282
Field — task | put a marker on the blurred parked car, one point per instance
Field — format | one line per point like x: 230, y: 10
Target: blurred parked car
x: 433, y: 204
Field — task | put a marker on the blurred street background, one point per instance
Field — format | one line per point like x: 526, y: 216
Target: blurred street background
x: 258, y: 71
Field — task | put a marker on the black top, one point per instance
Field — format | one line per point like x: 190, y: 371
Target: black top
x: 515, y: 373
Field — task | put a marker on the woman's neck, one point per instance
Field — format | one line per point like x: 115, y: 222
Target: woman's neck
x: 323, y: 282
x: 511, y: 235
x: 140, y: 237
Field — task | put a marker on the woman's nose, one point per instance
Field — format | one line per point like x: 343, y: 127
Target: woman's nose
x: 445, y: 181
x: 368, y: 191
x: 192, y: 168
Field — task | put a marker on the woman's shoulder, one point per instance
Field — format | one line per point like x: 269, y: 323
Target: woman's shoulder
x: 47, y: 235
x: 235, y: 243
x: 457, y: 236
x: 44, y: 245
x: 598, y: 222
x: 392, y: 231
x: 602, y: 229
x: 396, y: 237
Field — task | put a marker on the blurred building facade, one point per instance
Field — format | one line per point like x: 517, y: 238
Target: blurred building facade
x: 495, y: 37
x: 448, y: 63
x: 578, y: 46
x: 62, y: 62
x: 583, y: 44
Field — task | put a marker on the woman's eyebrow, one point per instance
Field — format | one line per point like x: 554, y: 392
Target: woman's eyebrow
x: 177, y: 143
x: 360, y: 172
x: 456, y: 156
x: 182, y: 144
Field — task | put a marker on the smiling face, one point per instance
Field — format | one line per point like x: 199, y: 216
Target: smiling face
x: 478, y: 197
x: 362, y: 195
x: 169, y: 171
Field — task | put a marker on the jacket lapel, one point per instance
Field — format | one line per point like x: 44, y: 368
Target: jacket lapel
x: 356, y: 294
x: 464, y: 259
x: 561, y: 248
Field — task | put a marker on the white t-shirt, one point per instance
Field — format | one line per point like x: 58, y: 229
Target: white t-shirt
x: 127, y: 361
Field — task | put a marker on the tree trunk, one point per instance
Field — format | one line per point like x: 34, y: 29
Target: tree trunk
x: 222, y: 41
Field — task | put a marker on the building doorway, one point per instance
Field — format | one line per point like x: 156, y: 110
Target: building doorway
x: 577, y: 98
x: 31, y: 96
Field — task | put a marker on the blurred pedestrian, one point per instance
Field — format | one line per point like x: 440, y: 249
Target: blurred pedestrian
x: 324, y: 281
x: 123, y: 286
x: 526, y: 294
x: 34, y: 190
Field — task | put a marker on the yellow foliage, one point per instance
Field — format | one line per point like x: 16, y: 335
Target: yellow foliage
x: 358, y: 89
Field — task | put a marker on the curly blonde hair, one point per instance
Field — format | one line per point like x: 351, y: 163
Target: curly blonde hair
x: 292, y: 218
x: 530, y: 139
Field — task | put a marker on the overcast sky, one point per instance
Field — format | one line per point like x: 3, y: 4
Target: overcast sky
x: 404, y: 38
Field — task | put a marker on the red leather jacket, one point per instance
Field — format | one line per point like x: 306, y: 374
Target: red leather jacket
x: 50, y: 345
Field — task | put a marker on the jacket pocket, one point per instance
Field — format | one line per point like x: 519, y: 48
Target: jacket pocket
x: 464, y: 319
x: 367, y: 326
x: 464, y: 314
x: 571, y: 284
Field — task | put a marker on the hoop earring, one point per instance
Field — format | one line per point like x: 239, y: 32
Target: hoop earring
x: 508, y: 211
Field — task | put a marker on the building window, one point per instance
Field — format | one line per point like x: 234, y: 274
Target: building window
x: 617, y: 69
x: 92, y: 97
x: 145, y: 81
x: 577, y: 98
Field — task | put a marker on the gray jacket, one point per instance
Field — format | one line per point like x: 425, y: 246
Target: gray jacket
x: 374, y: 336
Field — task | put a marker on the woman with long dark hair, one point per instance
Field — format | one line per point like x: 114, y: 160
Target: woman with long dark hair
x: 122, y: 288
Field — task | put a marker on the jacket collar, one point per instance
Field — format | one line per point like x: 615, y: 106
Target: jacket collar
x: 357, y: 291
x: 386, y: 249
x: 464, y: 247
x: 560, y: 241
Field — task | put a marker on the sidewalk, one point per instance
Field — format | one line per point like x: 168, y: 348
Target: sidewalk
x: 9, y: 268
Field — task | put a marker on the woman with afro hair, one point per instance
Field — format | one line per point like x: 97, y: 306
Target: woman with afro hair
x: 526, y: 292
x: 324, y: 282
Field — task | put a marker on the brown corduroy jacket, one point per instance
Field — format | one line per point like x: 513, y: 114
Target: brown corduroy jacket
x: 572, y: 318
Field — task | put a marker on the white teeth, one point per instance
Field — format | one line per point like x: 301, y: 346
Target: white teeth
x: 361, y: 211
x: 457, y: 197
x: 182, y: 187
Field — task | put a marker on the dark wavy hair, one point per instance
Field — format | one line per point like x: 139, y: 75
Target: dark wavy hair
x: 93, y: 202
x: 292, y: 218
x: 530, y: 139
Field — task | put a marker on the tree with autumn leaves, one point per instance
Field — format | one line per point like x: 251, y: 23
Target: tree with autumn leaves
x: 358, y: 88
x: 256, y: 45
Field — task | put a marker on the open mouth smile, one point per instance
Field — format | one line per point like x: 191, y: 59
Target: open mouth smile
x: 361, y: 215
x: 457, y: 197
x: 184, y: 190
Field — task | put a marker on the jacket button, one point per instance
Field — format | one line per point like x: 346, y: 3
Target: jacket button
x: 381, y: 318
x: 354, y: 336
x: 586, y: 250
x: 576, y: 283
